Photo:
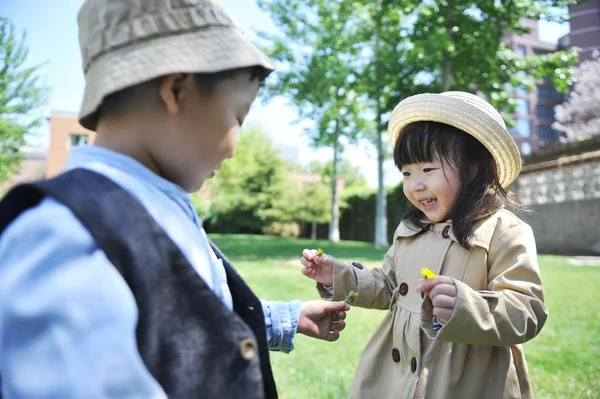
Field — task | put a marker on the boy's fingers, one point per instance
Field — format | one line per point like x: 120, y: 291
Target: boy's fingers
x: 340, y: 325
x: 335, y: 306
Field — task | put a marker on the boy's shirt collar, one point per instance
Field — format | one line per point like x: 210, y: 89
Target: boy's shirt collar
x: 91, y: 154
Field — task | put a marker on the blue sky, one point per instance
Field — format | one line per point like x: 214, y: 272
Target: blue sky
x: 51, y: 27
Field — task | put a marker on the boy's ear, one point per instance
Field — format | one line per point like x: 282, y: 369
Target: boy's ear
x: 170, y: 90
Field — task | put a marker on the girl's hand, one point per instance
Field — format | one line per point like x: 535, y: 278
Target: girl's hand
x: 318, y: 267
x: 442, y: 292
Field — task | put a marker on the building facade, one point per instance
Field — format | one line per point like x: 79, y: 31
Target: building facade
x: 585, y: 27
x: 65, y: 134
x: 534, y: 114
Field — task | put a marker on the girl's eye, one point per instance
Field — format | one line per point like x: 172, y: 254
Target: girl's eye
x: 406, y: 174
x: 426, y: 170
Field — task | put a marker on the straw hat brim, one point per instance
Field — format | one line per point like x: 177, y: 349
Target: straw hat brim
x: 209, y: 50
x: 466, y: 112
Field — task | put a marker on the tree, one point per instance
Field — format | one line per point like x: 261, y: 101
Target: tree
x: 350, y: 174
x: 579, y: 116
x: 313, y: 208
x: 245, y: 189
x: 21, y: 93
x: 316, y: 50
x: 461, y: 45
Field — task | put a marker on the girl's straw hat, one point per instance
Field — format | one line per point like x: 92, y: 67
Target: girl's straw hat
x: 469, y: 113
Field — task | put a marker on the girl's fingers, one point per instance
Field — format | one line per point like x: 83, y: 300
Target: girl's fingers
x: 443, y: 289
x: 443, y: 314
x: 443, y: 301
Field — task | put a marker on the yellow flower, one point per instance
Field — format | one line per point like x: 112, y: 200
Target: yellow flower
x: 352, y: 297
x: 428, y: 273
x: 320, y: 251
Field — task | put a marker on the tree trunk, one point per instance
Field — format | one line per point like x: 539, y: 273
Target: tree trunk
x: 446, y: 57
x: 334, y: 225
x: 380, y: 207
x: 313, y: 231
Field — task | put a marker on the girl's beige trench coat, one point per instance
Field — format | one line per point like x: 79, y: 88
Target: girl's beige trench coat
x: 477, y: 353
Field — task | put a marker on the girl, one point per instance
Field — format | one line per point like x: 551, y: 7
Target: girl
x: 457, y: 335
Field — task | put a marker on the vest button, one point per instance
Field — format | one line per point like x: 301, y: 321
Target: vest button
x: 248, y: 349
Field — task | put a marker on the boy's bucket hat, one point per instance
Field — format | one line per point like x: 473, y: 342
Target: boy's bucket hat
x: 127, y: 42
x: 469, y: 113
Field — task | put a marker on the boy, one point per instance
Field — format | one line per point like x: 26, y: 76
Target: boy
x: 109, y: 286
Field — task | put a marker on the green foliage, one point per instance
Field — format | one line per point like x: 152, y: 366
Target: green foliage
x: 352, y: 175
x: 316, y: 204
x: 356, y: 222
x: 461, y: 45
x: 317, y: 51
x: 247, y: 187
x: 21, y: 93
x: 253, y: 193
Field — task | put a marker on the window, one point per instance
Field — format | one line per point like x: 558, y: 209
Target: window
x: 549, y: 93
x: 522, y: 107
x: 79, y: 139
x: 544, y: 112
x: 525, y: 148
x: 546, y: 133
x: 523, y: 127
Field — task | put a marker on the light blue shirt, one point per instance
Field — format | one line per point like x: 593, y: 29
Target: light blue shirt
x: 67, y: 317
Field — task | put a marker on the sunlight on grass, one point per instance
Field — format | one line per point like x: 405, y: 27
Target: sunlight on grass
x: 563, y: 359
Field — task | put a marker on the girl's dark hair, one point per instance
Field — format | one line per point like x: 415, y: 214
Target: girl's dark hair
x: 480, y: 192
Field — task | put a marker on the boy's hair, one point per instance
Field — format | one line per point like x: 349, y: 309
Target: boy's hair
x: 480, y: 192
x: 120, y: 102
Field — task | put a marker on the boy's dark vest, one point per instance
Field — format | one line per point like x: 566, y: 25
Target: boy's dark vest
x: 191, y: 343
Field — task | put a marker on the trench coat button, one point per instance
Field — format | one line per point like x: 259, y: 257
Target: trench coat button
x: 413, y: 364
x: 248, y: 349
x: 357, y: 265
x: 396, y: 355
x: 403, y: 289
x: 445, y: 232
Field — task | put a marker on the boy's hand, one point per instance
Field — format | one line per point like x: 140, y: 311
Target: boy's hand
x: 323, y: 320
x: 442, y: 292
x: 318, y: 267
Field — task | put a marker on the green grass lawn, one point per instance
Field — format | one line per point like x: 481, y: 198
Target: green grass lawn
x: 564, y: 360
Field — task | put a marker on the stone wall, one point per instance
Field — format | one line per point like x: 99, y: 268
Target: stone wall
x: 561, y: 189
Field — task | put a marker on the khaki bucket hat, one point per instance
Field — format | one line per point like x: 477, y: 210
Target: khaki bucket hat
x: 467, y: 112
x: 127, y: 42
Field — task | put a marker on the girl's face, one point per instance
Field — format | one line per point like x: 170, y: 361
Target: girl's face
x: 432, y: 187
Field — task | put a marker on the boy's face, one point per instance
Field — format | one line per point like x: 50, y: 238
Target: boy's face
x: 432, y: 188
x: 202, y: 128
